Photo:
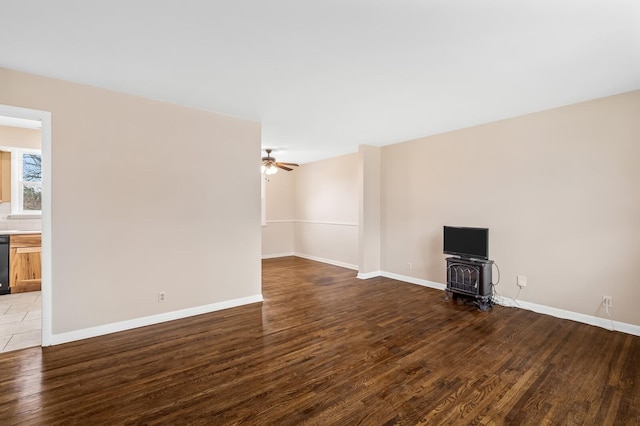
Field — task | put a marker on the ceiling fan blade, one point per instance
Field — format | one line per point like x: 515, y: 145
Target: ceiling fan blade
x: 290, y: 164
x: 280, y: 166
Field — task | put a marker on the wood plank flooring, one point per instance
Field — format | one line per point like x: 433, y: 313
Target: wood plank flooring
x: 326, y: 348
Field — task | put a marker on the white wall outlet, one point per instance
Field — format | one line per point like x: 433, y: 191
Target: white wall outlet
x: 409, y: 266
x: 522, y: 281
x: 162, y: 296
x: 607, y: 301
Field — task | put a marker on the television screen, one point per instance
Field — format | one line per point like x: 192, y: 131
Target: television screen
x: 466, y: 242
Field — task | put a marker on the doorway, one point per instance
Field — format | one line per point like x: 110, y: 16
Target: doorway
x: 24, y: 115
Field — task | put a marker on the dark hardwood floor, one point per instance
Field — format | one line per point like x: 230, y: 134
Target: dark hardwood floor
x: 326, y: 348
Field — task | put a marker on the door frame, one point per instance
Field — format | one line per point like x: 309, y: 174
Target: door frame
x: 47, y: 284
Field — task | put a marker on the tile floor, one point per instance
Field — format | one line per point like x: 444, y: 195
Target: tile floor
x: 20, y: 323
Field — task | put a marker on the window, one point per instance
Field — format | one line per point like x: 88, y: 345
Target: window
x: 26, y: 188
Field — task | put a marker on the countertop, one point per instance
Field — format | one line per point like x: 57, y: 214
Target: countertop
x: 18, y: 232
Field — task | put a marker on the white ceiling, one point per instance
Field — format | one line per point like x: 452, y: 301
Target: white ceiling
x: 326, y: 76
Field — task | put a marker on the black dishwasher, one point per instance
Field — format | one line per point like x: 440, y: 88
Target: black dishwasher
x: 4, y: 264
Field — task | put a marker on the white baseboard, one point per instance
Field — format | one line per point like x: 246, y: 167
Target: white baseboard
x: 86, y: 333
x: 413, y: 280
x: 317, y: 259
x: 367, y: 275
x: 541, y: 309
x: 570, y: 315
x: 503, y: 301
x: 403, y: 278
x: 329, y: 261
x: 273, y: 256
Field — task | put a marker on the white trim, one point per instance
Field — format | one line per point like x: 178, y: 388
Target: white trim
x: 25, y: 216
x: 413, y: 280
x: 18, y: 184
x: 541, y: 309
x: 153, y: 319
x: 275, y: 255
x: 24, y: 123
x: 47, y: 277
x: 322, y: 222
x: 367, y: 275
x: 329, y: 261
x: 315, y: 222
x: 570, y: 315
x: 623, y: 327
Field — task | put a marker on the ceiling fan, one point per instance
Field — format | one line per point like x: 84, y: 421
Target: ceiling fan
x: 270, y: 166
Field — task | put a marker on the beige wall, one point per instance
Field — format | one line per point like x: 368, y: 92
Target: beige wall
x: 316, y: 205
x: 369, y: 180
x: 139, y: 204
x: 326, y: 196
x: 19, y: 137
x: 558, y: 189
x: 327, y: 190
x: 278, y: 233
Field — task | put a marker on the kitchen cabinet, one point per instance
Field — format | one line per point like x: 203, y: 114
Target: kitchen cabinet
x: 5, y: 176
x: 25, y: 269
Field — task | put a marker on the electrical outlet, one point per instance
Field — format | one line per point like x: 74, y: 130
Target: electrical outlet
x: 607, y: 301
x: 409, y: 266
x: 162, y: 296
x: 522, y: 281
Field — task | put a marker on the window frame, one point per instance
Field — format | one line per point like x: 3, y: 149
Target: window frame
x: 18, y: 183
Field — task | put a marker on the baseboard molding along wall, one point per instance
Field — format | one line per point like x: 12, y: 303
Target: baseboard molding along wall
x: 367, y: 275
x: 412, y: 280
x: 276, y: 255
x: 101, y: 330
x: 317, y: 259
x: 329, y: 261
x: 607, y: 323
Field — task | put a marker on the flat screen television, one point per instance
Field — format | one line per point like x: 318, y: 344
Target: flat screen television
x: 466, y: 242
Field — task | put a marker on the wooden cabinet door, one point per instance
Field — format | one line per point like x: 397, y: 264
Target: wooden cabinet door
x: 25, y: 268
x: 5, y: 176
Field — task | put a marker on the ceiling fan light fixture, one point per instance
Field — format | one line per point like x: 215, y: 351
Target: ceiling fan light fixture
x: 270, y: 170
x: 270, y: 166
